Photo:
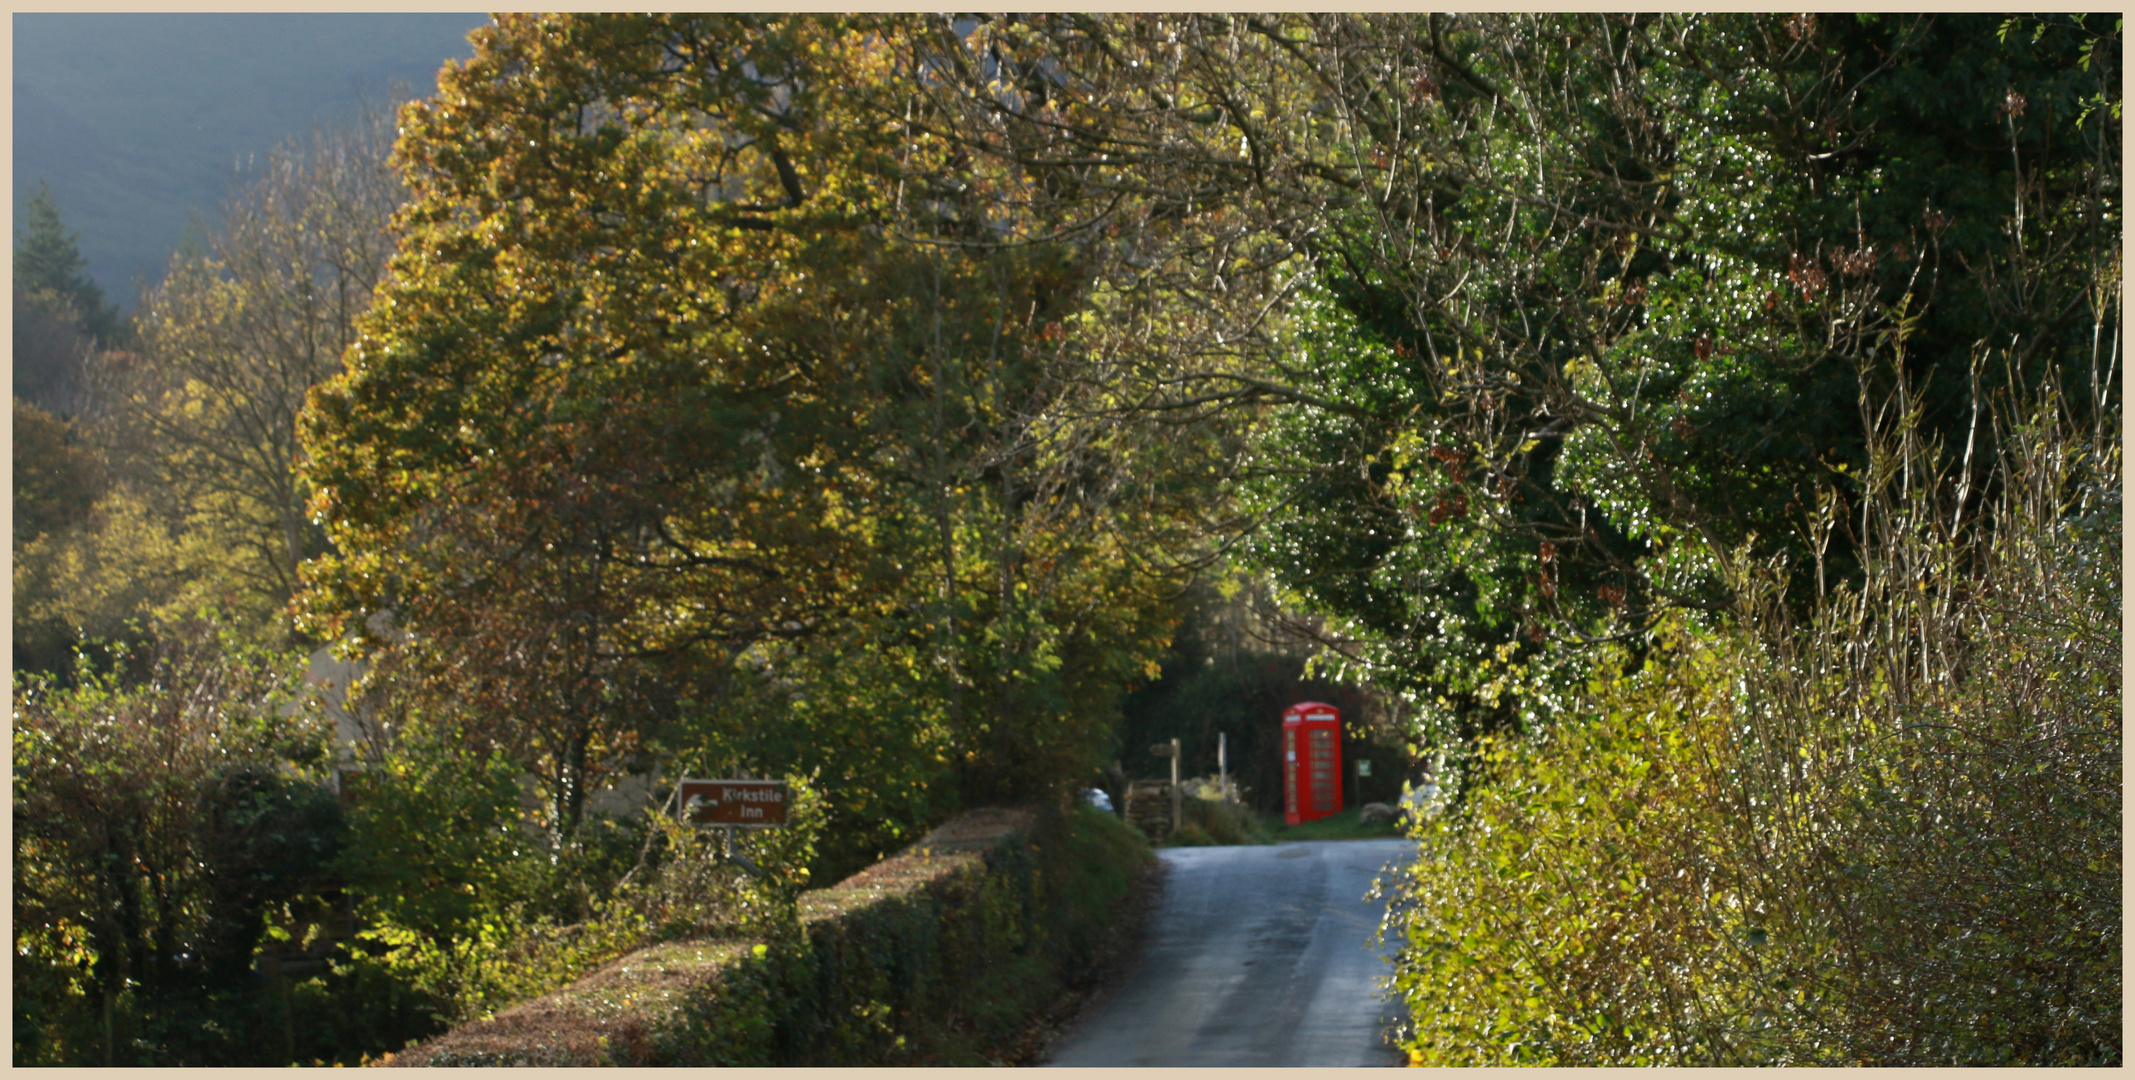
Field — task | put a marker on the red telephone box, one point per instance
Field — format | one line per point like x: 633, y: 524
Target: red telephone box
x: 1311, y: 761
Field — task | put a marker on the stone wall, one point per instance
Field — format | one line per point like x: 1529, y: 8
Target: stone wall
x: 1149, y: 807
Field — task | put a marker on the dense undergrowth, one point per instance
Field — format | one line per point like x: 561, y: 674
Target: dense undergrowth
x: 1888, y: 835
x: 193, y: 816
x: 190, y: 892
x: 1205, y: 818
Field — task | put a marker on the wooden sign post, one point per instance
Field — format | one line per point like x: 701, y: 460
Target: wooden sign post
x: 1171, y: 750
x: 733, y: 804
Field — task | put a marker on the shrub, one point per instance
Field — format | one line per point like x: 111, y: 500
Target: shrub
x: 157, y: 824
x: 1889, y: 837
x: 1218, y: 821
x: 469, y: 910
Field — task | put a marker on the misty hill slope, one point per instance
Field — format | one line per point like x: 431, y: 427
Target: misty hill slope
x: 139, y: 121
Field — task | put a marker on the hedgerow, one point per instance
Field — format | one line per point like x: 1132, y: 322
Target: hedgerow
x: 940, y: 955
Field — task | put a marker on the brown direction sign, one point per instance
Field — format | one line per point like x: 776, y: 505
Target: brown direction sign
x: 734, y: 802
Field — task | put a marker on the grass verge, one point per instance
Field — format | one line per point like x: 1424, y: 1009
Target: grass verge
x: 1342, y: 826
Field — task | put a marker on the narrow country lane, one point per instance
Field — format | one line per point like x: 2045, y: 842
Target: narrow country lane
x: 1257, y: 956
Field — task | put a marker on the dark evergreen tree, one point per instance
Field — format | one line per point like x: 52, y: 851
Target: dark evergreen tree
x: 60, y: 314
x: 49, y: 271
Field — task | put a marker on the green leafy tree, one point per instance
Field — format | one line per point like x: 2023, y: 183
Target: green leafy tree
x: 1589, y: 303
x: 1620, y: 288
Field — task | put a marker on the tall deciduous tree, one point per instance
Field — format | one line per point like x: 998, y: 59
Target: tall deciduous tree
x: 573, y: 452
x: 194, y: 431
x: 700, y: 353
x: 56, y: 478
x: 1591, y: 301
x: 238, y: 333
x: 59, y: 316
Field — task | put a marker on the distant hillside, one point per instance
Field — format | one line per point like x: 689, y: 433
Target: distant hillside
x: 140, y: 121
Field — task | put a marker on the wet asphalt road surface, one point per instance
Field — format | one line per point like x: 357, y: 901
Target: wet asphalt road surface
x: 1256, y: 956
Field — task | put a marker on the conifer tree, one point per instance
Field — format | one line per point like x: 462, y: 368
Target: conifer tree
x: 49, y: 271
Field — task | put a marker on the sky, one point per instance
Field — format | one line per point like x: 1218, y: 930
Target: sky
x: 140, y: 122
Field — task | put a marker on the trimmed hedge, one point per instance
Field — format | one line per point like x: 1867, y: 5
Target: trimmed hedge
x: 936, y: 956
